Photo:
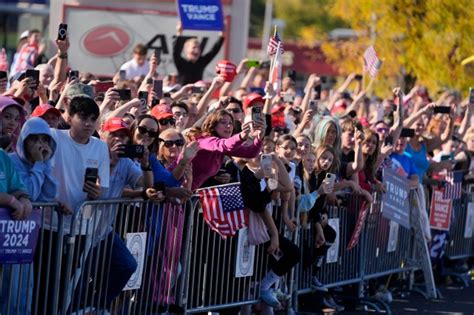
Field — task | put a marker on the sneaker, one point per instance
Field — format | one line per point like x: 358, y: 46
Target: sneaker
x: 281, y: 296
x: 330, y: 301
x: 317, y: 285
x: 269, y: 299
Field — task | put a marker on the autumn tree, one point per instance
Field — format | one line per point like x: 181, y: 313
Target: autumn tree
x: 427, y: 39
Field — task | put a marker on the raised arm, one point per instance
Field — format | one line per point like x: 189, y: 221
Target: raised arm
x: 61, y: 62
x: 203, y: 102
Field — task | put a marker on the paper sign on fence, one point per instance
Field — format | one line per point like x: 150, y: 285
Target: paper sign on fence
x: 245, y: 255
x: 393, y: 237
x: 440, y: 211
x: 136, y: 244
x: 333, y: 251
x: 469, y: 228
x: 18, y: 238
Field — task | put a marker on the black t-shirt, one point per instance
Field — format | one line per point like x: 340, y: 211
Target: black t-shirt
x: 319, y: 208
x: 345, y: 160
x: 254, y: 199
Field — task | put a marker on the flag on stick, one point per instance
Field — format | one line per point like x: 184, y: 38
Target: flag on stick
x: 372, y: 63
x: 453, y: 188
x: 223, y: 208
x: 273, y: 44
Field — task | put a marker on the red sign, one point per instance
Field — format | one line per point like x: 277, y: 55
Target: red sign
x: 364, y: 210
x: 106, y: 41
x: 440, y: 211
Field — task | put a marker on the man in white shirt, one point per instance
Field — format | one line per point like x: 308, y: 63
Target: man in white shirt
x: 77, y: 153
x: 138, y: 66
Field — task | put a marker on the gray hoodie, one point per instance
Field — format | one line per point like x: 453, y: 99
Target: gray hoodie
x: 37, y: 177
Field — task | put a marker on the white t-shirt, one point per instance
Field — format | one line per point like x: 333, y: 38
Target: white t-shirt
x: 132, y: 69
x: 69, y: 166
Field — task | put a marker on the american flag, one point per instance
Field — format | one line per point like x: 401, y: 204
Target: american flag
x: 273, y: 44
x: 223, y: 208
x: 3, y: 60
x: 453, y: 188
x: 372, y: 63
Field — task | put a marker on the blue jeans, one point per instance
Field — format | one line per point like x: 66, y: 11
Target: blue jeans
x: 115, y: 267
x: 20, y: 293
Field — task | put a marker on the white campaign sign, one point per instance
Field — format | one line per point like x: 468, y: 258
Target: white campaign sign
x: 333, y: 251
x: 245, y: 256
x: 136, y: 244
x: 469, y: 228
x: 106, y: 41
x: 393, y: 237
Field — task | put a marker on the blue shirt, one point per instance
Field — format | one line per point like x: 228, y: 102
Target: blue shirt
x: 9, y: 179
x: 403, y: 164
x: 420, y: 159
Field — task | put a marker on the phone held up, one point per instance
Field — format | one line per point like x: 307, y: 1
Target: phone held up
x: 91, y: 175
x: 132, y: 151
x: 62, y: 31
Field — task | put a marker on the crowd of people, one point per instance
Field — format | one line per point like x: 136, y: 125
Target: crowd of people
x: 66, y: 139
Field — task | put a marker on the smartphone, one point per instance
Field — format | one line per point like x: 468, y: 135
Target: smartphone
x: 3, y: 75
x: 159, y: 186
x: 158, y: 54
x: 388, y: 140
x: 471, y: 96
x: 91, y: 175
x: 256, y: 113
x: 317, y: 91
x: 155, y: 102
x: 252, y: 63
x: 446, y: 157
x: 73, y: 74
x: 407, y: 133
x: 265, y: 65
x: 358, y: 77
x: 132, y: 151
x: 143, y: 97
x: 62, y: 31
x: 34, y: 75
x: 441, y: 110
x: 288, y: 98
x: 266, y: 163
x: 124, y: 94
x: 103, y: 86
x: 158, y: 88
x: 122, y: 75
x: 198, y: 90
x: 331, y: 178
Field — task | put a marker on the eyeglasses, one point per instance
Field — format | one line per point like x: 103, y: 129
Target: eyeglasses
x: 170, y: 143
x: 180, y: 114
x: 281, y: 130
x: 144, y: 131
x: 167, y: 121
x: 235, y: 110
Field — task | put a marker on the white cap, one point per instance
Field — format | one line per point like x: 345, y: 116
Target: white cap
x: 24, y: 34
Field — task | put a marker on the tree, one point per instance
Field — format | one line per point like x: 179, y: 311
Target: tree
x: 307, y: 20
x: 427, y: 39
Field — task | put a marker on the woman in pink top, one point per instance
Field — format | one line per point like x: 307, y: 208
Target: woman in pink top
x: 216, y: 141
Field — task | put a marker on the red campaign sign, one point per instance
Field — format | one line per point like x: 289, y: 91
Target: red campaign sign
x: 364, y: 210
x: 440, y: 211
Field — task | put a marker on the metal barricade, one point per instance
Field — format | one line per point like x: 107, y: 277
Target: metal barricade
x: 341, y: 266
x: 387, y: 245
x: 210, y: 281
x: 461, y: 232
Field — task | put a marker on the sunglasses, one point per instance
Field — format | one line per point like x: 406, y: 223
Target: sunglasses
x: 144, y: 131
x: 170, y: 143
x: 167, y: 121
x: 381, y: 130
x: 281, y: 130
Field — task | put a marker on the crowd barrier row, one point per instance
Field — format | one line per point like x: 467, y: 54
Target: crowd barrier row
x: 166, y: 258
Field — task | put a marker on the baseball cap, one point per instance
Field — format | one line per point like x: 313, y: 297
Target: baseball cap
x: 42, y: 109
x: 251, y: 99
x: 24, y: 34
x: 115, y: 124
x: 79, y: 89
x: 158, y: 114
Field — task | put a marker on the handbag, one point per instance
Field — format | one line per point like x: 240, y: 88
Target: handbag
x: 257, y: 231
